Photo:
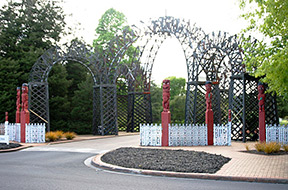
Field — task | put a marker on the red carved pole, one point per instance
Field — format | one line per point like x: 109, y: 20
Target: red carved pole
x: 209, y: 113
x: 18, y: 105
x: 25, y: 116
x: 165, y: 115
x: 6, y: 116
x: 262, y: 124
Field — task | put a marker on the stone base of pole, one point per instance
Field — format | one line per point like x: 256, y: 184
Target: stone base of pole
x: 262, y: 127
x: 209, y: 122
x: 166, y: 119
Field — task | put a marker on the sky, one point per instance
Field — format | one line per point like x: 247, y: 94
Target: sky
x: 210, y: 15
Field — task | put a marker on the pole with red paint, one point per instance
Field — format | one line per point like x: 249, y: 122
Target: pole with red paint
x: 209, y: 112
x: 18, y: 105
x: 25, y: 116
x: 165, y: 115
x: 261, y: 103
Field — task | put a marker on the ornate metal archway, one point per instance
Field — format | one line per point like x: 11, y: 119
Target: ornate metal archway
x: 104, y: 71
x: 150, y: 38
x: 215, y: 57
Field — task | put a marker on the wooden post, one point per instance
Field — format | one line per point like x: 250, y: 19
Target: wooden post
x: 262, y: 124
x: 209, y: 113
x: 165, y: 115
x: 18, y: 105
x: 25, y: 116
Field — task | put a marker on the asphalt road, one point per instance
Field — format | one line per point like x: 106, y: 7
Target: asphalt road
x: 64, y: 167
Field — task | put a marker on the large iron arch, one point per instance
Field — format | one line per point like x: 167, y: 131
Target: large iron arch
x: 38, y: 80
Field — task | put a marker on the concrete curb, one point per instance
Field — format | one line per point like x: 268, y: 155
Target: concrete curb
x: 96, y: 161
x: 28, y: 145
x: 15, y: 149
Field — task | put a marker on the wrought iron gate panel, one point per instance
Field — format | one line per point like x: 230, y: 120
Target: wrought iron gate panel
x: 139, y: 111
x: 236, y: 106
x: 39, y: 103
x: 271, y: 114
x: 107, y: 104
x: 122, y: 112
x: 196, y: 104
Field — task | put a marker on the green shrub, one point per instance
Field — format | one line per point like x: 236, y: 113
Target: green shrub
x: 59, y: 134
x: 272, y: 147
x: 50, y: 136
x: 285, y: 147
x: 260, y: 147
x: 284, y: 122
x: 247, y: 147
x: 70, y: 135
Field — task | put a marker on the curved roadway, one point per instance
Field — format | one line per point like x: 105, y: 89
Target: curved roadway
x: 67, y: 166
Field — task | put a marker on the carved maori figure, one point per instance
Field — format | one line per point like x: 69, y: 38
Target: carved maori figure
x: 18, y: 105
x: 208, y: 95
x: 166, y: 95
x: 261, y: 97
x: 25, y: 97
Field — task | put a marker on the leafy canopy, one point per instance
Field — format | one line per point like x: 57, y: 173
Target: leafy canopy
x: 270, y: 58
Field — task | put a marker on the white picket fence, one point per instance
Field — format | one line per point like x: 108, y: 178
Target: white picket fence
x: 14, y: 131
x: 4, y: 137
x: 150, y: 135
x: 222, y: 135
x: 184, y: 135
x: 187, y: 135
x: 35, y: 132
x: 277, y: 133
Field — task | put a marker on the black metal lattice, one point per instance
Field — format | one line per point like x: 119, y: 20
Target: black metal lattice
x: 216, y: 57
x: 39, y: 98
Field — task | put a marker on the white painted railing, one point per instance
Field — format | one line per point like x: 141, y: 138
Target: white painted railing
x: 4, y: 137
x: 277, y: 133
x: 35, y: 132
x: 150, y: 135
x: 187, y: 135
x: 184, y: 135
x: 14, y: 131
x: 222, y: 135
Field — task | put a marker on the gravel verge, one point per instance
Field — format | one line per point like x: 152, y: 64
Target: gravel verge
x: 11, y: 145
x: 166, y: 160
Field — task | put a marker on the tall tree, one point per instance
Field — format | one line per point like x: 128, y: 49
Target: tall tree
x: 112, y: 24
x: 82, y: 109
x: 58, y: 93
x: 27, y: 29
x: 177, y: 86
x: 270, y: 58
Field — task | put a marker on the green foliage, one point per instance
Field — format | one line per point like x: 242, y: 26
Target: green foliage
x: 272, y: 147
x: 285, y: 147
x: 111, y: 23
x: 27, y: 29
x: 177, y: 86
x: 82, y: 107
x: 51, y: 136
x: 58, y: 93
x: 282, y: 107
x: 70, y: 135
x: 177, y: 109
x: 270, y: 58
x: 177, y: 100
x: 260, y: 147
x: 156, y: 102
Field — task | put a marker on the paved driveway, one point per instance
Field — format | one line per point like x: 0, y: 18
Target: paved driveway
x: 62, y: 166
